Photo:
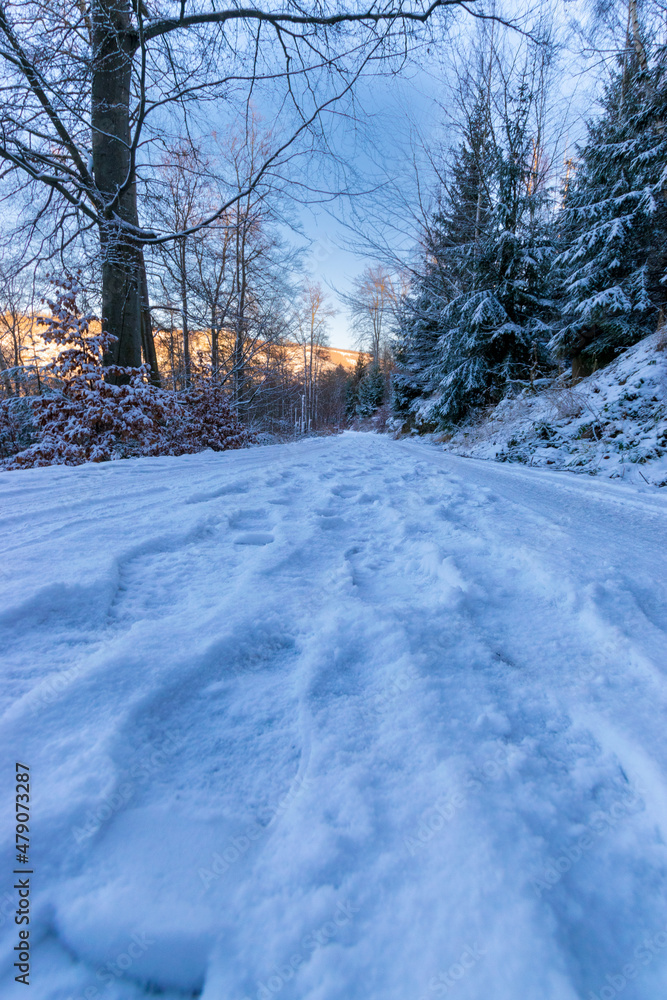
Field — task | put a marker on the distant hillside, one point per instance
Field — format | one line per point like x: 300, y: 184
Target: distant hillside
x: 20, y: 342
x: 346, y: 358
x: 168, y: 344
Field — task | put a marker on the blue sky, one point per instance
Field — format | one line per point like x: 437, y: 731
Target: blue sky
x: 380, y: 152
x: 397, y: 117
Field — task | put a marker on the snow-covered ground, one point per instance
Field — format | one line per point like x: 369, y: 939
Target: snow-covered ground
x: 613, y: 423
x: 350, y: 719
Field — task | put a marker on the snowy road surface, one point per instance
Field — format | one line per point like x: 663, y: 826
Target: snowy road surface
x: 348, y: 719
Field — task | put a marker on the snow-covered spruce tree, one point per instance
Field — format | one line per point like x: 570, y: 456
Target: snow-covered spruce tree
x: 613, y: 266
x: 371, y: 390
x: 465, y: 212
x: 451, y: 246
x: 415, y: 345
x: 82, y: 416
x: 480, y: 313
x: 352, y: 388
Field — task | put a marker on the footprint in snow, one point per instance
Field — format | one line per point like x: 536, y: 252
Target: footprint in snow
x: 254, y: 538
x: 224, y: 491
x: 326, y: 511
x: 248, y: 519
x: 328, y: 523
x: 255, y: 522
x: 345, y: 492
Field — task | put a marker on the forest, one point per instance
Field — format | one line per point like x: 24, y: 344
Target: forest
x: 156, y: 284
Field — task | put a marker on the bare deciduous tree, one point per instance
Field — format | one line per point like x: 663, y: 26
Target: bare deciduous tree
x: 311, y: 327
x: 91, y: 90
x: 372, y: 300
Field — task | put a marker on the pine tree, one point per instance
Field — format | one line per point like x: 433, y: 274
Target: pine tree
x: 452, y: 246
x: 453, y: 242
x: 352, y: 389
x: 482, y: 308
x: 415, y: 347
x: 372, y: 388
x: 614, y: 224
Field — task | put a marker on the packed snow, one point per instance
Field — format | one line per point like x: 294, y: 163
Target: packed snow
x: 344, y: 719
x: 612, y: 423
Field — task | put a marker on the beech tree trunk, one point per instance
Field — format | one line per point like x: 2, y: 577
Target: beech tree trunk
x: 114, y: 44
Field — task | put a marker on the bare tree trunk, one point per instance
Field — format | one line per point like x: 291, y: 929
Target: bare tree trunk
x: 113, y: 50
x: 172, y: 352
x: 147, y: 340
x: 639, y: 47
x: 214, y: 340
x: 239, y: 340
x: 184, y: 317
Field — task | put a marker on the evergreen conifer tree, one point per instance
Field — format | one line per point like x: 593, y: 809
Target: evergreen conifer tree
x: 482, y: 308
x: 352, y: 390
x: 372, y: 389
x: 414, y: 349
x: 614, y: 224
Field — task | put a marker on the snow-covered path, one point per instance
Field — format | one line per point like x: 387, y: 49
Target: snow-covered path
x: 349, y: 719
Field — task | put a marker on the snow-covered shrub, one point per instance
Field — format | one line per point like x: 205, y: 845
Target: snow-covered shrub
x: 82, y: 415
x: 89, y: 412
x: 209, y: 420
x: 565, y: 401
x: 17, y: 427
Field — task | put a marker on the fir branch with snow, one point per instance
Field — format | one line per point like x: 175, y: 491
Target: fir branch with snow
x: 613, y: 258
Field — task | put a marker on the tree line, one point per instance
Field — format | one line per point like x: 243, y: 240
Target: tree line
x: 136, y: 162
x: 526, y: 268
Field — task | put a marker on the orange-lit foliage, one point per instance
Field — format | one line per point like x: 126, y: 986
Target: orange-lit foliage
x: 84, y: 416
